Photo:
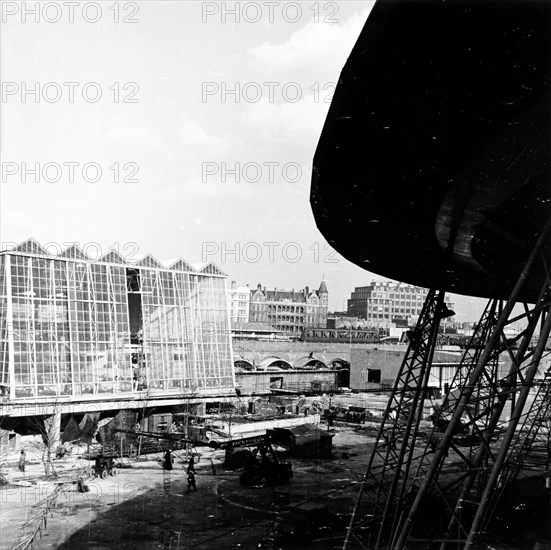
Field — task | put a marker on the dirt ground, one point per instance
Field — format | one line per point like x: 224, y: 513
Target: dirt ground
x: 144, y: 507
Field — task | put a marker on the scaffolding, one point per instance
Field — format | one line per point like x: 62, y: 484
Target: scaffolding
x: 406, y: 470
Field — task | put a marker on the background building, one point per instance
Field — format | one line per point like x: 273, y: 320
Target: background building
x: 377, y: 368
x: 239, y: 298
x: 386, y: 303
x: 290, y: 311
x: 340, y: 319
x: 71, y: 327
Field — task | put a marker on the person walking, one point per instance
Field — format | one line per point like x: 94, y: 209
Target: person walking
x: 191, y: 465
x: 22, y: 460
x: 191, y: 481
x: 168, y: 460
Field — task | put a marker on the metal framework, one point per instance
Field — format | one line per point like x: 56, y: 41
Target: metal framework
x: 472, y: 431
x: 384, y: 487
x: 70, y: 326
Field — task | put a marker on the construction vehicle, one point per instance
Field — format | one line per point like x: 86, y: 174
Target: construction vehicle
x: 103, y: 467
x: 262, y: 467
x: 266, y: 468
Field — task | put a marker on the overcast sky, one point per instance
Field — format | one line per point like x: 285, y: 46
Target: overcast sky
x: 199, y: 129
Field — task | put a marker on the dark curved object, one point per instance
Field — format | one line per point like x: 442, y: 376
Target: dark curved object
x: 433, y: 164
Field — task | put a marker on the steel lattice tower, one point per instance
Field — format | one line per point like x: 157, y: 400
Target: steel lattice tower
x: 404, y: 470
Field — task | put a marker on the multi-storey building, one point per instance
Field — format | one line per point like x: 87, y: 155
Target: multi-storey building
x: 73, y: 328
x: 239, y: 298
x: 290, y: 311
x: 386, y: 303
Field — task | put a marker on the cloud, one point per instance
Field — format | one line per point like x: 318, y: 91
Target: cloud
x: 221, y: 191
x: 295, y: 123
x: 128, y: 134
x: 192, y: 133
x: 312, y: 45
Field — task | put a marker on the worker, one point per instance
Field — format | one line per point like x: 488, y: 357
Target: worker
x: 168, y: 460
x: 82, y: 487
x: 265, y: 461
x: 22, y: 459
x: 191, y: 481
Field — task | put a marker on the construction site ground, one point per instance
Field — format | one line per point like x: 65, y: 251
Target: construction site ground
x: 145, y: 507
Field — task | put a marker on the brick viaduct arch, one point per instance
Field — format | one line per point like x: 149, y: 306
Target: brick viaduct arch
x: 262, y: 354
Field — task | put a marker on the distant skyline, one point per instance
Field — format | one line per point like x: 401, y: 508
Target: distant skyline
x: 465, y: 305
x: 175, y: 129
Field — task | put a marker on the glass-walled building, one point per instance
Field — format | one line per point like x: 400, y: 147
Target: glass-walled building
x: 73, y: 327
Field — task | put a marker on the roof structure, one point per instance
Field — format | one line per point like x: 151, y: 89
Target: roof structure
x: 112, y: 257
x: 30, y: 246
x: 433, y: 164
x: 150, y: 261
x: 298, y: 296
x: 181, y: 265
x: 74, y: 252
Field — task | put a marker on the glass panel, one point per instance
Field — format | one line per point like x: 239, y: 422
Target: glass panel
x: 150, y: 261
x: 30, y: 247
x: 182, y: 265
x: 112, y: 258
x: 212, y: 269
x: 74, y: 253
x: 71, y: 330
x: 4, y: 350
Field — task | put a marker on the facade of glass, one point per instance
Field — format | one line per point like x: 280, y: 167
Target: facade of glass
x: 74, y: 328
